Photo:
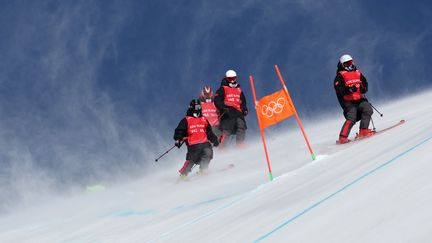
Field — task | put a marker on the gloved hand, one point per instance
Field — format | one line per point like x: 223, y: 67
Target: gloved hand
x: 245, y: 112
x: 178, y: 143
x: 352, y: 89
x: 216, y: 143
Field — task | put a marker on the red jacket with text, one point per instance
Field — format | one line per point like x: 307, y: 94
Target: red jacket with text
x: 195, y: 130
x: 210, y: 112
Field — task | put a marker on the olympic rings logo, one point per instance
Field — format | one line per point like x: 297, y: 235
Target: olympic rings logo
x: 273, y: 107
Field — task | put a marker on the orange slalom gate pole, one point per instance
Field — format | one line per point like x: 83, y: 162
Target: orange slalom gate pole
x: 261, y: 130
x: 295, y: 112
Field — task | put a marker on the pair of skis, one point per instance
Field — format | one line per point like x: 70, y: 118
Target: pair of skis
x: 356, y: 139
x: 228, y: 167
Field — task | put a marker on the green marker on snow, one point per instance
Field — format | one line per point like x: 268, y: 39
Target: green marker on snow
x: 95, y: 188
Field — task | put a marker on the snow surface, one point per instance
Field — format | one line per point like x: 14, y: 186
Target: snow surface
x: 375, y: 190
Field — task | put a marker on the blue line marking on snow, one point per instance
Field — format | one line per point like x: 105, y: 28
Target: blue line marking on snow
x: 146, y: 212
x: 212, y: 200
x: 132, y: 212
x: 306, y: 210
x: 210, y: 213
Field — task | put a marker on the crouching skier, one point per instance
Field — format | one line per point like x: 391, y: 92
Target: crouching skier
x: 196, y: 131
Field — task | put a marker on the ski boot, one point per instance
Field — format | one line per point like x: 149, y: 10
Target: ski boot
x: 202, y: 172
x: 343, y: 140
x: 183, y: 177
x: 365, y: 132
x: 241, y: 146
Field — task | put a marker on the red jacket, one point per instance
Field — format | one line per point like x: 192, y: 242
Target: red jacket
x: 230, y: 101
x: 352, y: 79
x: 210, y: 112
x: 232, y: 97
x: 196, y: 130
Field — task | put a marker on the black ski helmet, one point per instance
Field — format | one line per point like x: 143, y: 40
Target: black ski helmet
x: 195, y: 108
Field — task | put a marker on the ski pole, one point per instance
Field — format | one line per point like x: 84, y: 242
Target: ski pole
x: 220, y: 116
x: 381, y: 114
x: 156, y: 160
x: 373, y: 125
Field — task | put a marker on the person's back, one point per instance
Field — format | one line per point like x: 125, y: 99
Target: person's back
x: 195, y: 130
x: 209, y: 109
x: 231, y: 104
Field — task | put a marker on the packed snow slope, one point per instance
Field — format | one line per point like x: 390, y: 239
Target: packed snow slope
x: 375, y: 190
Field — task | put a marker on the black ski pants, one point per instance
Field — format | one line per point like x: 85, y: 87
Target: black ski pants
x: 200, y: 154
x: 234, y: 126
x: 355, y: 111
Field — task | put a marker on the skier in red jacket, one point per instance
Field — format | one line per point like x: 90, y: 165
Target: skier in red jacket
x: 350, y: 86
x: 196, y: 131
x: 209, y: 109
x: 231, y: 103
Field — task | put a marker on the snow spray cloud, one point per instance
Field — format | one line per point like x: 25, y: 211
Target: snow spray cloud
x: 60, y: 126
x: 89, y: 88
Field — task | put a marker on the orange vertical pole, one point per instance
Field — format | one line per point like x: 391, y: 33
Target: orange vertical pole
x: 261, y: 130
x: 295, y: 112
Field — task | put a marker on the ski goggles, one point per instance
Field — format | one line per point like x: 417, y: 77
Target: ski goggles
x: 197, y: 107
x: 232, y: 79
x: 348, y: 63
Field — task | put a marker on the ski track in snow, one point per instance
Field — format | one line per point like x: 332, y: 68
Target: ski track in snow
x: 367, y: 191
x: 314, y: 205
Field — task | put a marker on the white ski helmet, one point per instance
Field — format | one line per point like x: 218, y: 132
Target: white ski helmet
x: 230, y: 74
x: 347, y: 62
x: 345, y: 58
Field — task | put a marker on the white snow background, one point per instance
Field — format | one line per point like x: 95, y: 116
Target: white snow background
x: 375, y: 190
